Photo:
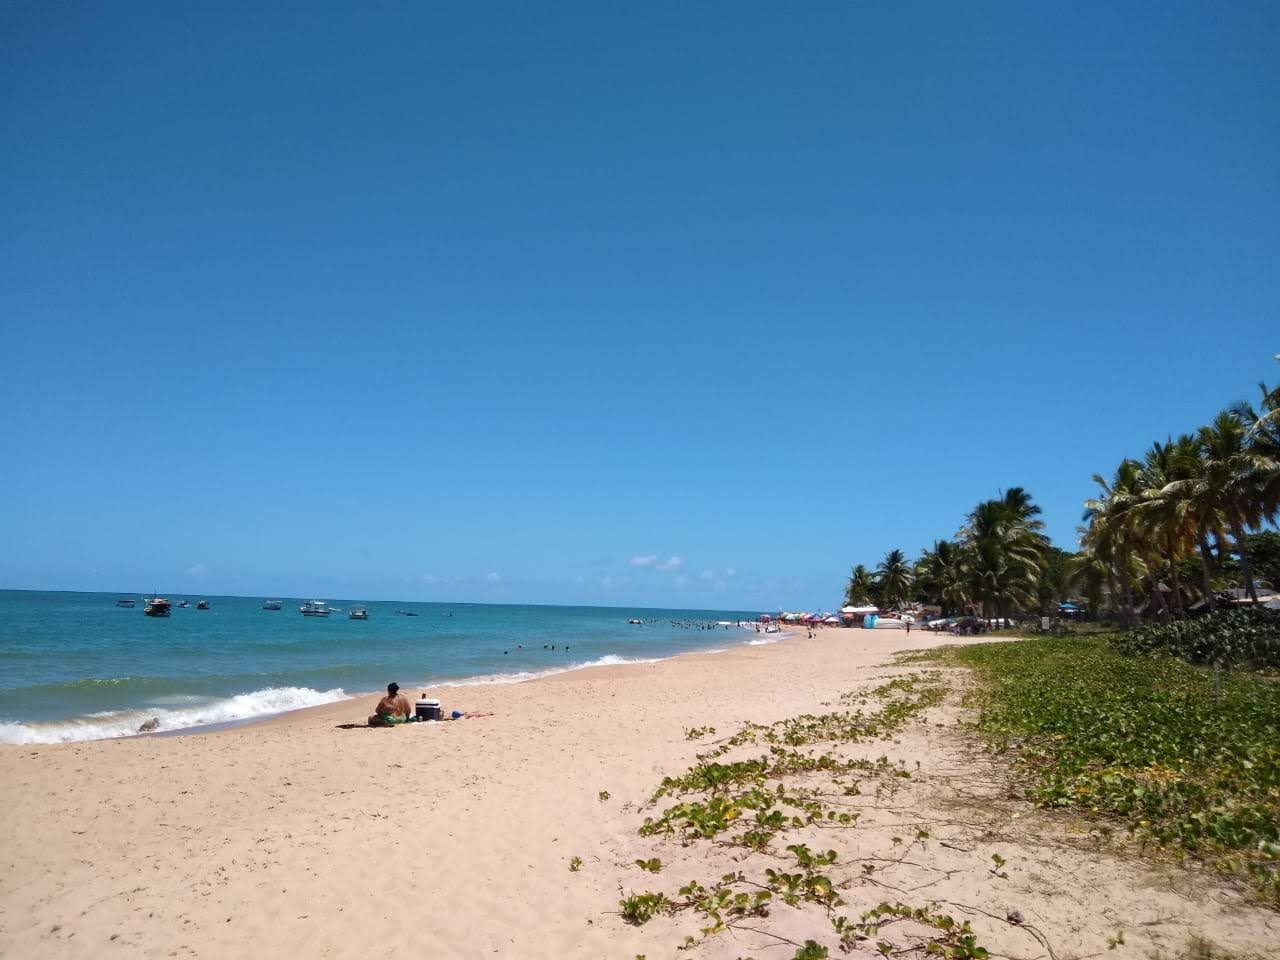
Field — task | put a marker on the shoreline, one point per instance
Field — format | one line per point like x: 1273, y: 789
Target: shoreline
x: 87, y: 721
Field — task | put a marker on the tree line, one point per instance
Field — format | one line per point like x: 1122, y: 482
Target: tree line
x: 1164, y: 532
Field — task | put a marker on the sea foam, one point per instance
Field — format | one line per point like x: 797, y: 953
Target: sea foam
x: 123, y: 723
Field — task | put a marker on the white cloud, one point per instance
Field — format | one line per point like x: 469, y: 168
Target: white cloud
x: 671, y: 564
x: 706, y: 575
x: 729, y: 571
x: 429, y: 578
x: 493, y: 577
x: 680, y: 580
x: 644, y: 561
x: 195, y: 570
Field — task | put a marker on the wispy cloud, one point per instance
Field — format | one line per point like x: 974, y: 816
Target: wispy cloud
x: 195, y: 570
x: 429, y: 578
x: 671, y: 564
x: 493, y: 577
x: 647, y: 560
x: 680, y: 580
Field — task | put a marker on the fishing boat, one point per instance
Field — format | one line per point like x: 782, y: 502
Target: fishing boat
x: 202, y: 605
x: 272, y: 605
x: 156, y: 607
x: 184, y: 603
x: 315, y: 608
x: 358, y: 613
x: 125, y: 603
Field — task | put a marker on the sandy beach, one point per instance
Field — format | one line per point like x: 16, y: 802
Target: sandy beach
x: 297, y: 837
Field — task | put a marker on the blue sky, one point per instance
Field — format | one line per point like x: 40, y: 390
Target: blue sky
x: 674, y: 304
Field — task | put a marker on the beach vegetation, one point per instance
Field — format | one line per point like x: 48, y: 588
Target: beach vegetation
x: 1141, y: 740
x: 810, y: 950
x: 1244, y: 637
x: 640, y: 908
x: 653, y: 865
x: 603, y: 795
x: 697, y: 733
x: 946, y: 937
x: 575, y: 864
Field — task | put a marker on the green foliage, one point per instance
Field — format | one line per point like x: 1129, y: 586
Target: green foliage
x: 640, y: 908
x: 1144, y: 741
x: 697, y: 733
x: 950, y: 937
x: 575, y: 864
x: 739, y: 793
x: 653, y: 865
x: 1243, y: 636
x: 811, y: 950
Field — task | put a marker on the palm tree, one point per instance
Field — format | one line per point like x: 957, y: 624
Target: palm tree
x: 862, y: 586
x: 1232, y: 481
x: 893, y: 577
x: 1113, y: 530
x: 1263, y: 438
x: 1170, y: 528
x: 1006, y: 546
x: 1186, y: 466
x: 941, y: 576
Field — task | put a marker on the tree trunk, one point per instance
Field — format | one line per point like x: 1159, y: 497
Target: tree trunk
x: 1204, y: 570
x: 1158, y: 595
x: 1245, y: 566
x: 1223, y: 554
x: 1126, y: 592
x: 1177, y: 581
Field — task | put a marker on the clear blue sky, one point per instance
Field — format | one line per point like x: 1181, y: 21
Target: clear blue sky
x: 518, y: 302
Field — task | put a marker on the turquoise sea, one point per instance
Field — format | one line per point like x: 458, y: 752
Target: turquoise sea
x: 74, y: 666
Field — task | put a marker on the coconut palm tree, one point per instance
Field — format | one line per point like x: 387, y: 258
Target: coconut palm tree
x: 1232, y: 481
x: 1263, y: 438
x: 942, y: 578
x: 894, y: 578
x: 862, y: 586
x: 1113, y: 530
x: 1186, y: 467
x: 1005, y: 549
x: 1170, y: 527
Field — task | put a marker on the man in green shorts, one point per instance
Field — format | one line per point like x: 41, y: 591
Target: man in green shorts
x: 391, y: 709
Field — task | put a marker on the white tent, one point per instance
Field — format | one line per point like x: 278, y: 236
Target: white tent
x: 857, y: 610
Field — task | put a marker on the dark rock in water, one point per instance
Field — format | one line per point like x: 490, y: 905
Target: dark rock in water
x: 150, y: 725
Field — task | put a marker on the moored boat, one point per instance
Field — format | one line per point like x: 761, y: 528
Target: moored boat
x: 157, y: 607
x: 272, y: 605
x: 358, y: 613
x: 184, y: 603
x: 202, y: 605
x: 315, y: 608
x: 125, y: 603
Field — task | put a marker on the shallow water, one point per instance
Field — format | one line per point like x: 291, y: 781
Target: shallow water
x: 73, y: 666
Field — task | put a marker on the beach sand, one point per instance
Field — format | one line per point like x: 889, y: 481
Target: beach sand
x: 293, y: 837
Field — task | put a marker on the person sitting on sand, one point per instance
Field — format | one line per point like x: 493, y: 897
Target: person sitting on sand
x: 391, y: 709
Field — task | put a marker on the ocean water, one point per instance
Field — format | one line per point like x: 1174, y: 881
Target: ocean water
x: 74, y: 666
